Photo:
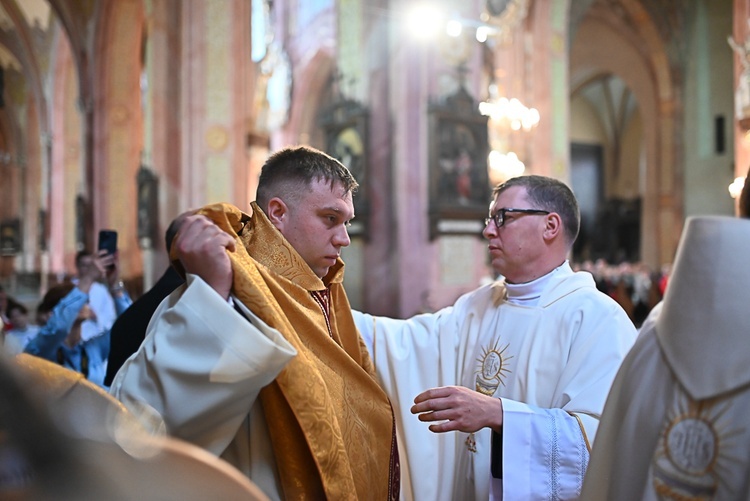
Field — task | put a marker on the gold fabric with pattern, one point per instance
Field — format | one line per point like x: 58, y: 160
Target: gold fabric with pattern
x: 331, y: 424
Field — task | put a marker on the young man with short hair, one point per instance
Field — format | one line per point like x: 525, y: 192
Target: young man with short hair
x: 257, y: 357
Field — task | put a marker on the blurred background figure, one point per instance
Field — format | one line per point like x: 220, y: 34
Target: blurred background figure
x: 65, y: 310
x: 5, y: 321
x: 102, y: 305
x: 22, y: 331
x: 633, y: 285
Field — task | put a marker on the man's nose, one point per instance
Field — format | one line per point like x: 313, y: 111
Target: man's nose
x: 490, y: 231
x: 341, y: 238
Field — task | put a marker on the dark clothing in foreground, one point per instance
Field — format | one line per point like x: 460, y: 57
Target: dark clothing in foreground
x: 129, y: 329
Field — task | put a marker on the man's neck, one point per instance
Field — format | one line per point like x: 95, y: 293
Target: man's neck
x: 528, y: 293
x: 533, y: 272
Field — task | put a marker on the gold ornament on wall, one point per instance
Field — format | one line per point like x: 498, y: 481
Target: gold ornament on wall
x: 119, y: 114
x: 217, y: 138
x: 501, y: 18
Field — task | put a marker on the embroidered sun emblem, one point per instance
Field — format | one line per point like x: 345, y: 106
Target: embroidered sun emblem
x: 687, y: 463
x: 492, y: 369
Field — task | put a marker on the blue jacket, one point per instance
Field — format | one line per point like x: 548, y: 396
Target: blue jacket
x: 88, y: 357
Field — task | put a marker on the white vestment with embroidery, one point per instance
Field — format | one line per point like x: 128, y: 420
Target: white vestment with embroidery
x: 676, y: 423
x: 552, y: 363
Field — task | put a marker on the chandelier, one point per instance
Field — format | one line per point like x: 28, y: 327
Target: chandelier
x: 506, y: 116
x: 735, y: 189
x: 506, y: 165
x: 509, y: 113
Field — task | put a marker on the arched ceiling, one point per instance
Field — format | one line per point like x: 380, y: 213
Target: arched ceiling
x: 24, y: 55
x: 34, y: 17
x: 29, y: 30
x: 34, y: 12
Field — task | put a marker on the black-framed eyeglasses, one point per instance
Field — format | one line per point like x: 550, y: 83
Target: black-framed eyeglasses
x: 499, y: 216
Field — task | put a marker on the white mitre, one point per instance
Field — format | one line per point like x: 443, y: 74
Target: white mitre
x: 704, y: 326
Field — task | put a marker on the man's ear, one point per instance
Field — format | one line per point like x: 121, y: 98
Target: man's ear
x: 553, y: 226
x: 277, y: 212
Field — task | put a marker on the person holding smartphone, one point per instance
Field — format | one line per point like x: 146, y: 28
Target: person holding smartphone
x: 65, y: 308
x: 101, y: 302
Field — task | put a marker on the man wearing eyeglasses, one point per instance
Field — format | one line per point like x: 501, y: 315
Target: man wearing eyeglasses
x: 512, y: 378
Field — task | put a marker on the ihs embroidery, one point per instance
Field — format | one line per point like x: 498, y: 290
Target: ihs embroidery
x: 492, y: 369
x: 687, y: 463
x: 490, y: 375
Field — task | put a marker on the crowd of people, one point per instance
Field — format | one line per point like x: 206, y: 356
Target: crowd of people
x: 635, y: 286
x: 73, y: 320
x: 248, y: 347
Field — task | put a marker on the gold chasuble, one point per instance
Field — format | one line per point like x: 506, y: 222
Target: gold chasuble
x: 331, y: 424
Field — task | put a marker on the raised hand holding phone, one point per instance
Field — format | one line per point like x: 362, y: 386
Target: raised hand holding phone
x: 107, y: 257
x: 108, y: 241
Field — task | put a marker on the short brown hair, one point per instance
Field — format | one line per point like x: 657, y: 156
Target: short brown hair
x: 291, y: 170
x: 549, y: 194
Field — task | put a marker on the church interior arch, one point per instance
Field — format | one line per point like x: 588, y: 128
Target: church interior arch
x: 606, y: 162
x: 606, y: 44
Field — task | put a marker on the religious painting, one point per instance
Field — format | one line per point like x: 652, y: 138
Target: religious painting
x: 148, y: 192
x: 742, y: 91
x: 348, y: 147
x: 345, y: 126
x: 460, y: 175
x: 459, y: 181
x: 42, y: 229
x: 10, y: 237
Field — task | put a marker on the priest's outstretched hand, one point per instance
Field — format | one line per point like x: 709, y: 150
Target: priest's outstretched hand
x: 459, y: 408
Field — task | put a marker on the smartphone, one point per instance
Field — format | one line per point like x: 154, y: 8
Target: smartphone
x: 108, y: 241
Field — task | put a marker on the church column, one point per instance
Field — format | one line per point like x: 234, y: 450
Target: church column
x: 215, y: 55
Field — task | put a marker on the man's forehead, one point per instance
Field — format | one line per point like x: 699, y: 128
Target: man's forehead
x: 511, y: 193
x: 342, y: 206
x: 335, y: 198
x: 333, y: 188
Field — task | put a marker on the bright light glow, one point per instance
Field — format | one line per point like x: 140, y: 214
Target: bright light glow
x: 482, y: 34
x: 425, y: 21
x: 736, y: 187
x: 530, y: 118
x: 511, y: 113
x: 454, y: 28
x: 506, y: 165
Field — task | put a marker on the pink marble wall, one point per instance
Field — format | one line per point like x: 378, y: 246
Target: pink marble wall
x: 741, y: 33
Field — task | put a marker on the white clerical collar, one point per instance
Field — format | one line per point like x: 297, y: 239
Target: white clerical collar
x: 528, y: 294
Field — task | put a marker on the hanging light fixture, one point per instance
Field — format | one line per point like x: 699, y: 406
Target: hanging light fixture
x: 509, y: 113
x: 507, y: 116
x: 504, y: 166
x: 736, y: 187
